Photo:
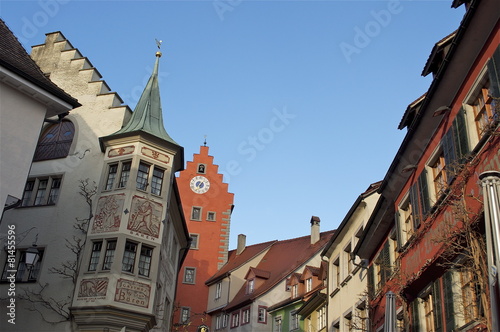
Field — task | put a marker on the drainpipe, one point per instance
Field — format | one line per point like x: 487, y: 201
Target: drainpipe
x: 327, y: 290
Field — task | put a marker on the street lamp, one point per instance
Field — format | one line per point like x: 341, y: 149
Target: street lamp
x: 31, y: 256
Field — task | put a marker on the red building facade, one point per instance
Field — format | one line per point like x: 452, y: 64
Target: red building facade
x: 426, y: 242
x: 207, y: 206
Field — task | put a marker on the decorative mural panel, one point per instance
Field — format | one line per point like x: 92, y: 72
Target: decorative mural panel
x: 145, y: 217
x: 121, y: 151
x: 132, y: 292
x: 93, y: 288
x: 155, y: 155
x: 108, y: 213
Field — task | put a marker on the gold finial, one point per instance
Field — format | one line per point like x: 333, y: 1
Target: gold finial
x: 158, y: 44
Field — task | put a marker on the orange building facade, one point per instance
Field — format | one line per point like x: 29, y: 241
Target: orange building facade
x: 207, y: 206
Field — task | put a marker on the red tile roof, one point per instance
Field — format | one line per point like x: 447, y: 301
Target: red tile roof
x: 234, y: 261
x: 282, y: 259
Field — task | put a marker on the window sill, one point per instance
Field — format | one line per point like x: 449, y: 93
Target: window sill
x: 35, y: 206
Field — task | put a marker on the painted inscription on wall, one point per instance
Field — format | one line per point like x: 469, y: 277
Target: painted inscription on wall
x: 145, y: 217
x: 108, y: 214
x: 93, y: 289
x: 132, y: 292
x: 155, y: 155
x: 121, y: 151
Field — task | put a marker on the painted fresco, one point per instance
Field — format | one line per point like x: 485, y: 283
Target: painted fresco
x: 108, y: 214
x: 132, y: 292
x: 145, y: 217
x: 94, y: 288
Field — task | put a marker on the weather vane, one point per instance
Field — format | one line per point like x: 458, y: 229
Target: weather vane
x: 205, y: 142
x: 158, y: 43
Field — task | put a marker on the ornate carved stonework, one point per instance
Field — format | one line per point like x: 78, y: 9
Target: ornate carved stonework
x: 121, y: 151
x: 109, y: 209
x: 155, y: 155
x: 94, y: 288
x: 145, y: 217
x: 132, y: 292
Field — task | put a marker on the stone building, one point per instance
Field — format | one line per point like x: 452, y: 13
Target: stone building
x: 100, y: 207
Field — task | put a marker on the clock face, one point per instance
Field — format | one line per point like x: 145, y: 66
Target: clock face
x: 199, y: 184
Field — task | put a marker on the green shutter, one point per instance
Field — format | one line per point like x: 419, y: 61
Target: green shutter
x: 449, y: 311
x: 397, y: 220
x: 448, y: 154
x: 386, y: 263
x: 462, y: 143
x: 415, y: 323
x: 415, y: 207
x: 371, y: 282
x: 436, y: 304
x: 494, y: 73
x: 423, y: 190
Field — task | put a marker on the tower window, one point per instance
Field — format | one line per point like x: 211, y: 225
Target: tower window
x: 142, y: 176
x: 196, y: 213
x: 157, y: 181
x: 125, y: 174
x: 94, y: 257
x: 128, y: 261
x: 145, y: 261
x: 201, y: 168
x: 111, y: 176
x: 110, y: 255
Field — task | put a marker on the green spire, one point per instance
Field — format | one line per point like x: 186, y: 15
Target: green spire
x: 147, y: 116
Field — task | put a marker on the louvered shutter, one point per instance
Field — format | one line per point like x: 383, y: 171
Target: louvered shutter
x: 423, y: 190
x: 449, y: 311
x: 371, y: 282
x: 494, y: 73
x: 415, y: 319
x: 397, y: 220
x: 436, y: 303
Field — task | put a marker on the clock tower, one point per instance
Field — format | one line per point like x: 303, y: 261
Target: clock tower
x: 207, y: 206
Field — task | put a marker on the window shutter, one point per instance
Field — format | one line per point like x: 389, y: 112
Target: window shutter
x: 462, y: 144
x: 371, y: 282
x: 436, y: 303
x: 386, y: 263
x: 494, y: 72
x: 448, y: 154
x: 415, y: 323
x: 449, y: 311
x: 423, y: 190
x: 397, y: 220
x: 415, y: 207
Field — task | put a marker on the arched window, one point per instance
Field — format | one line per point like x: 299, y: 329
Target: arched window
x: 55, y: 141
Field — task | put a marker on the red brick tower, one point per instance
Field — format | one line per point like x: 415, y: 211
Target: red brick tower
x: 207, y: 206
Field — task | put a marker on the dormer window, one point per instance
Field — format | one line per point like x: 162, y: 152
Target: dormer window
x: 250, y: 286
x: 295, y: 290
x: 309, y: 284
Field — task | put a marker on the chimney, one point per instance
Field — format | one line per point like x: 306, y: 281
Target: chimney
x: 242, y: 240
x: 314, y: 229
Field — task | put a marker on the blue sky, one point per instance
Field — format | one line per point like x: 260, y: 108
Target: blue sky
x: 300, y: 100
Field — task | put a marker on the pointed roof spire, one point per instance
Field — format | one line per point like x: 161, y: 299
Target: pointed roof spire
x: 147, y: 116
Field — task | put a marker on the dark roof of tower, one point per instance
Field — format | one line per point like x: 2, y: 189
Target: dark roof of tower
x: 147, y: 116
